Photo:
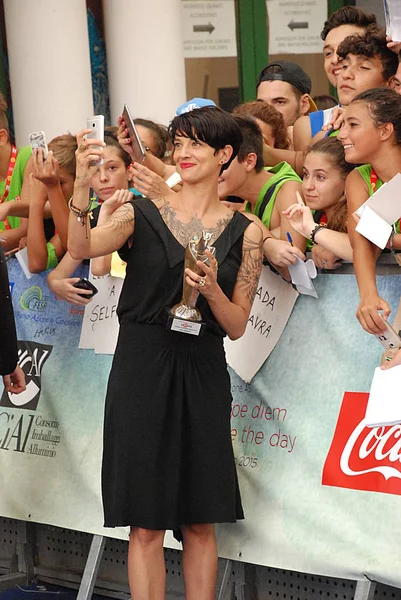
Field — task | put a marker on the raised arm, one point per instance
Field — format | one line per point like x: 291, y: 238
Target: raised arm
x: 105, y: 239
x: 365, y: 255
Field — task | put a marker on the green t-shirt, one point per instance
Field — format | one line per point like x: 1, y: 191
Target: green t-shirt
x: 282, y: 172
x: 16, y: 183
x: 365, y: 172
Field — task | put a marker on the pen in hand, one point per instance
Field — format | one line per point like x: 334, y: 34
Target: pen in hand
x: 289, y: 238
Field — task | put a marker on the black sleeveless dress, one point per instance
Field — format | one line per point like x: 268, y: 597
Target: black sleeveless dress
x: 167, y: 456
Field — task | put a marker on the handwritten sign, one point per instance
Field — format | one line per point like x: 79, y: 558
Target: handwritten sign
x: 100, y: 325
x: 271, y: 309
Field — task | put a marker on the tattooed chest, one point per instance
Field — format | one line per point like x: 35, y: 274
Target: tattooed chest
x: 184, y: 232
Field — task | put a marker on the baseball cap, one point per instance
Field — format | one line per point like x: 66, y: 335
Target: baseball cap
x: 194, y: 103
x: 283, y: 70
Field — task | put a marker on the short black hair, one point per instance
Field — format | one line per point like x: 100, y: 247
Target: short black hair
x: 372, y: 44
x: 252, y: 140
x: 348, y: 15
x: 211, y: 125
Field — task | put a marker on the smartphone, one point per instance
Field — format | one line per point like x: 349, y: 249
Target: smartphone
x: 37, y: 139
x: 136, y: 144
x: 85, y: 284
x: 389, y: 338
x: 96, y: 125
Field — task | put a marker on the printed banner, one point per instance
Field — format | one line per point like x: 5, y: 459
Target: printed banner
x: 320, y: 490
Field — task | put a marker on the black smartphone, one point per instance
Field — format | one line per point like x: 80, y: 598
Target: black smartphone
x: 136, y: 144
x: 85, y: 284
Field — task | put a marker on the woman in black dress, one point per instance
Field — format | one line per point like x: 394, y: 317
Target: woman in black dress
x: 168, y: 460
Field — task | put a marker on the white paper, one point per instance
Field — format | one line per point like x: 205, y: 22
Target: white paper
x: 100, y: 326
x: 302, y: 274
x: 374, y: 228
x: 271, y: 309
x: 384, y: 404
x: 386, y: 202
x: 22, y: 257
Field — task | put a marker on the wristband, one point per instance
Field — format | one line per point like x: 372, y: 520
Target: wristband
x: 81, y: 214
x: 314, y: 231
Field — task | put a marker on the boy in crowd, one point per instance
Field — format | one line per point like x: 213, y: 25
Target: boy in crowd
x: 287, y: 87
x: 14, y: 181
x: 346, y: 21
x: 366, y: 62
x: 267, y: 192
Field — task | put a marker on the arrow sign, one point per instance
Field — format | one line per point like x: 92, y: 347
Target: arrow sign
x: 202, y: 28
x: 298, y: 25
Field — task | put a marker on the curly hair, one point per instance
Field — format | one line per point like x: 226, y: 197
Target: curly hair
x: 372, y: 44
x: 348, y: 15
x: 258, y: 109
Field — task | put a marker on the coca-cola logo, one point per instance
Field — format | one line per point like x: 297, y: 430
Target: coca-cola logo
x: 361, y: 457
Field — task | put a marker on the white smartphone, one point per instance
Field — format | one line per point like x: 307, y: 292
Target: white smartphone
x: 389, y: 338
x: 37, y: 139
x: 96, y: 125
x: 136, y: 144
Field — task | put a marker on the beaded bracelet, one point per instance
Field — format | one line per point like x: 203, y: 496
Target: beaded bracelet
x: 314, y: 231
x: 81, y: 214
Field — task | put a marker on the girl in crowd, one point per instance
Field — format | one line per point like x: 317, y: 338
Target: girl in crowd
x: 270, y: 121
x: 113, y: 175
x: 165, y: 427
x: 323, y: 219
x: 371, y: 136
x: 154, y: 137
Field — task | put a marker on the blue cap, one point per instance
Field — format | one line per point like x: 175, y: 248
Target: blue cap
x: 194, y: 103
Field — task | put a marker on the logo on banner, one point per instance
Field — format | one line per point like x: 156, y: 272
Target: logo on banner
x: 33, y: 299
x: 31, y: 358
x: 360, y: 457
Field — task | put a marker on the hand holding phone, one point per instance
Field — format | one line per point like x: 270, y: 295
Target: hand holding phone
x: 136, y: 144
x: 388, y: 338
x: 37, y: 139
x: 85, y: 284
x: 96, y: 126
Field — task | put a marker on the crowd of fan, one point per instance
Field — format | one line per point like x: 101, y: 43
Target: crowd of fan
x: 335, y: 154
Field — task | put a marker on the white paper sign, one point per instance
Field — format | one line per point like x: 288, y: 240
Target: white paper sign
x: 100, y: 325
x: 294, y: 27
x: 384, y: 404
x: 270, y: 312
x: 208, y: 28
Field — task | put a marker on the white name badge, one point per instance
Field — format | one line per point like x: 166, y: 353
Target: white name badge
x: 186, y: 326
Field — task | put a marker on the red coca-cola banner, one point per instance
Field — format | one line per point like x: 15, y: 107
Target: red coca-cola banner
x: 360, y: 457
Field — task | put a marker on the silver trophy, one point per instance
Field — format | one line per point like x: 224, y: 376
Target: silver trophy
x: 195, y: 251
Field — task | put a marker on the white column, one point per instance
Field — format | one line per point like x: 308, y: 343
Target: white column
x: 50, y: 76
x: 145, y: 57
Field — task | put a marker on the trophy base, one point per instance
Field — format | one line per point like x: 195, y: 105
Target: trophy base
x: 184, y: 326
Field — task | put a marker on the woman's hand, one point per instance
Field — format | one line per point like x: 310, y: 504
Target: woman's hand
x: 301, y: 218
x: 124, y: 139
x: 280, y: 253
x: 324, y: 259
x: 4, y: 210
x: 207, y: 282
x: 109, y: 206
x: 64, y: 289
x: 45, y: 171
x: 147, y: 182
x: 337, y: 119
x: 368, y: 315
x: 88, y: 151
